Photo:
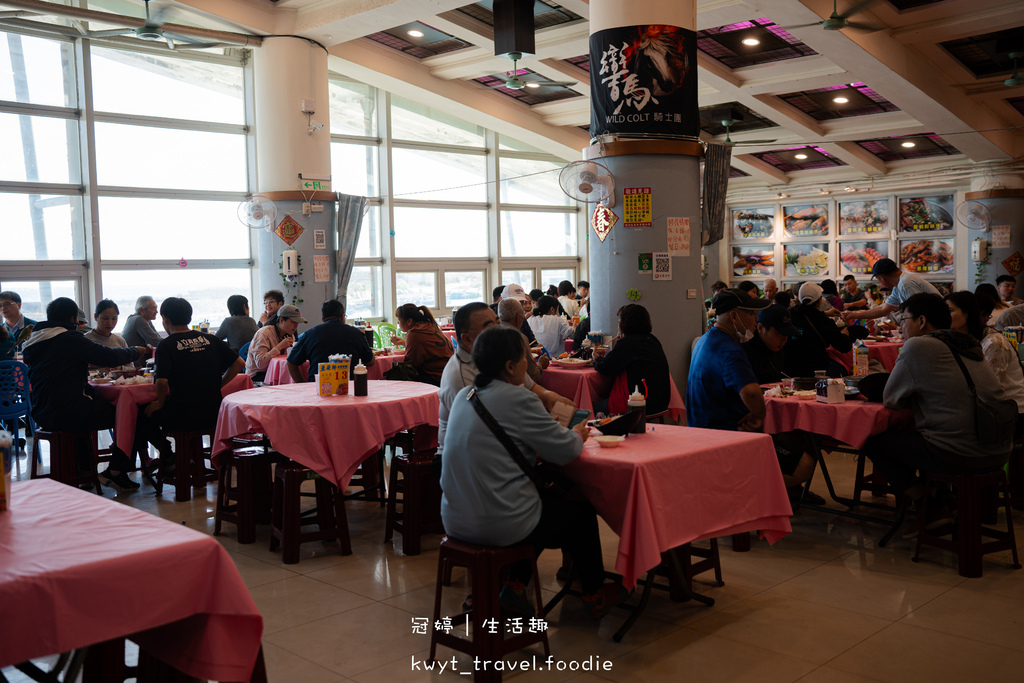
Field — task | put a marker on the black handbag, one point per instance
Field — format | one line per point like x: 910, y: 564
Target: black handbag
x: 995, y: 422
x: 546, y: 481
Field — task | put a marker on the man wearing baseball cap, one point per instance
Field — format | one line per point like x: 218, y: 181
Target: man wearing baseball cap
x: 774, y: 328
x: 900, y: 285
x: 722, y: 390
x: 514, y: 291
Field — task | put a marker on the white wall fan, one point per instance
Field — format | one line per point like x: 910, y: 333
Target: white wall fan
x: 257, y: 212
x: 588, y: 181
x: 974, y: 214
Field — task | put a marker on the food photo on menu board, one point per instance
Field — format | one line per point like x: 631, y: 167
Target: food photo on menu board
x: 859, y: 257
x: 753, y: 224
x: 808, y: 220
x: 927, y: 256
x: 753, y: 260
x: 919, y: 214
x: 805, y: 259
x: 863, y: 217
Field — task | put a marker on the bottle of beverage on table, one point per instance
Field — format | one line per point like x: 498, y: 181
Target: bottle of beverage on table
x: 359, y: 374
x: 638, y: 401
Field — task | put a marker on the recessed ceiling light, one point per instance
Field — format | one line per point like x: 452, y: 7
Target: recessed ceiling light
x: 908, y: 143
x: 416, y: 34
x: 840, y: 100
x: 531, y: 84
x: 751, y: 41
x: 799, y: 156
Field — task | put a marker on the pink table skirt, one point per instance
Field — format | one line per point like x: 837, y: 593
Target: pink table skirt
x: 586, y: 386
x: 277, y: 371
x: 127, y: 399
x: 333, y: 434
x: 851, y: 422
x: 885, y: 353
x: 674, y: 485
x: 62, y: 552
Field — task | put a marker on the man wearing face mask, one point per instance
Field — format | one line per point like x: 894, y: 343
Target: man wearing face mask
x: 722, y: 391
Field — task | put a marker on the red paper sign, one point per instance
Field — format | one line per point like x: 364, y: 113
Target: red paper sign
x: 603, y: 220
x: 289, y: 230
x: 1014, y: 264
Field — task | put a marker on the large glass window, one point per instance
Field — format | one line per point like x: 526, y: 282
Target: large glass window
x: 38, y: 149
x: 525, y: 181
x: 33, y: 70
x: 418, y: 122
x: 36, y: 294
x: 523, y: 278
x: 157, y: 85
x: 531, y: 233
x: 369, y: 234
x: 145, y: 228
x: 552, y: 276
x: 143, y: 156
x: 365, y: 293
x: 354, y: 169
x: 416, y: 288
x: 353, y: 108
x: 439, y: 176
x: 462, y: 287
x: 440, y: 233
x: 206, y: 289
x: 42, y: 227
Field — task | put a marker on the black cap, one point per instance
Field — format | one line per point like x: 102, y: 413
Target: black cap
x: 884, y: 266
x: 777, y: 318
x: 730, y: 299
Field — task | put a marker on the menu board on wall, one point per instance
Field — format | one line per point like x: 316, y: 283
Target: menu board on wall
x: 927, y: 256
x: 758, y: 260
x: 859, y: 257
x: 925, y: 214
x: 806, y: 259
x: 753, y: 224
x: 856, y: 218
x: 805, y: 220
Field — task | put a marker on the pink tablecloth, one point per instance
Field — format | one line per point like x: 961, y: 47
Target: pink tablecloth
x: 277, y: 371
x: 127, y: 399
x: 885, y: 353
x: 586, y: 386
x: 851, y: 422
x: 64, y: 554
x: 331, y: 435
x: 674, y: 485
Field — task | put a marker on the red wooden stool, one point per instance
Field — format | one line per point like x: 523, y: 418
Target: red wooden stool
x: 189, y: 464
x: 286, y: 516
x: 248, y: 501
x: 63, y: 458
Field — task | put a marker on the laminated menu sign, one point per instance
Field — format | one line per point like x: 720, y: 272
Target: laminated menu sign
x: 859, y: 257
x: 753, y: 224
x: 754, y: 260
x: 863, y: 217
x: 679, y: 236
x: 805, y: 259
x: 923, y: 214
x: 332, y: 378
x: 807, y: 220
x: 927, y: 256
x: 636, y: 212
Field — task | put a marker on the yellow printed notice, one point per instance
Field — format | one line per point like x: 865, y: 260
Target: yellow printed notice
x: 636, y: 203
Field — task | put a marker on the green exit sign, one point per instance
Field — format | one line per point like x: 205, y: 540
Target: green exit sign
x: 315, y: 184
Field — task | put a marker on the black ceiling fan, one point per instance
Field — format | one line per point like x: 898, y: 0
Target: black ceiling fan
x: 1013, y: 81
x: 838, y: 21
x: 514, y: 82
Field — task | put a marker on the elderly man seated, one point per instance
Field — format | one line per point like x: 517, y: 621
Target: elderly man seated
x: 510, y: 314
x: 931, y: 378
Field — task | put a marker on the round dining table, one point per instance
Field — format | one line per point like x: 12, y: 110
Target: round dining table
x: 586, y: 387
x: 277, y: 371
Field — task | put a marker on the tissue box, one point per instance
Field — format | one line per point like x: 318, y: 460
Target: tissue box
x: 332, y: 378
x: 833, y: 392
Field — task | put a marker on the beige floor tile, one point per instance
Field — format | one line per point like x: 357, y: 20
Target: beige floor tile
x: 283, y: 665
x: 763, y: 567
x: 998, y: 578
x: 382, y: 574
x: 904, y: 653
x: 257, y: 572
x: 865, y: 592
x: 993, y: 619
x: 897, y: 561
x: 826, y: 674
x: 355, y: 641
x: 687, y: 655
x: 686, y: 613
x: 791, y: 627
x: 299, y: 600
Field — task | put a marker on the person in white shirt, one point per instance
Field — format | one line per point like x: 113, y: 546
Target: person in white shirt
x: 550, y: 330
x: 567, y: 297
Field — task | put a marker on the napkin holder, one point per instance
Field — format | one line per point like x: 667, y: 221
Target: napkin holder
x: 332, y: 378
x: 830, y: 391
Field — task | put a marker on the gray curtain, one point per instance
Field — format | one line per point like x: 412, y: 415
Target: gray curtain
x: 717, y: 158
x: 350, y: 219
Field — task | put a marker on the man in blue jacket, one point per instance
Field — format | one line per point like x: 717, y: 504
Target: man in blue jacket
x: 58, y: 358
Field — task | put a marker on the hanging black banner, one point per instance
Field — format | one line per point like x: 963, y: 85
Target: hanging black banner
x: 643, y: 79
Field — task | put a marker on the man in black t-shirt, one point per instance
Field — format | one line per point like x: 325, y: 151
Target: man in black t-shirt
x: 191, y: 369
x: 330, y: 337
x: 774, y: 328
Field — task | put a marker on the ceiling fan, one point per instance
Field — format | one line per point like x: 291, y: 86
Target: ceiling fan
x: 153, y: 31
x: 514, y: 82
x: 837, y: 21
x: 1013, y: 81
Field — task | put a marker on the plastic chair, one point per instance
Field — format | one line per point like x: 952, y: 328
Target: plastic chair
x: 15, y: 399
x: 244, y: 351
x: 383, y: 333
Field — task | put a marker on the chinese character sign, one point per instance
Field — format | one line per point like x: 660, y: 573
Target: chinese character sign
x: 636, y: 202
x: 679, y: 236
x: 644, y: 80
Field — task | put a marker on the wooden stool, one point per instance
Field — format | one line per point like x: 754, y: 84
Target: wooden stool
x: 967, y: 541
x: 485, y: 564
x: 370, y: 477
x: 286, y: 517
x: 420, y: 499
x: 63, y: 458
x: 249, y: 500
x: 189, y: 464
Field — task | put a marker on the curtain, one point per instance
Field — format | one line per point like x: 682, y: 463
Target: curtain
x: 717, y: 157
x: 350, y: 219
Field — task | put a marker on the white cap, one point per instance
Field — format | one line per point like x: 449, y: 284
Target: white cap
x: 810, y: 292
x: 514, y: 291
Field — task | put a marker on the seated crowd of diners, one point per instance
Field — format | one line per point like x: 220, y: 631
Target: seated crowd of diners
x: 492, y: 402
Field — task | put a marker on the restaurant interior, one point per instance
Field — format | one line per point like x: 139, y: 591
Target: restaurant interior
x: 130, y: 159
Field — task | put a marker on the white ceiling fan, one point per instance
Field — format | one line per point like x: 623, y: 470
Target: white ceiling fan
x: 514, y: 82
x: 153, y: 31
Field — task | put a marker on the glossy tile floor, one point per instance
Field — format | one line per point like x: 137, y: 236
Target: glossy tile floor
x: 823, y: 604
